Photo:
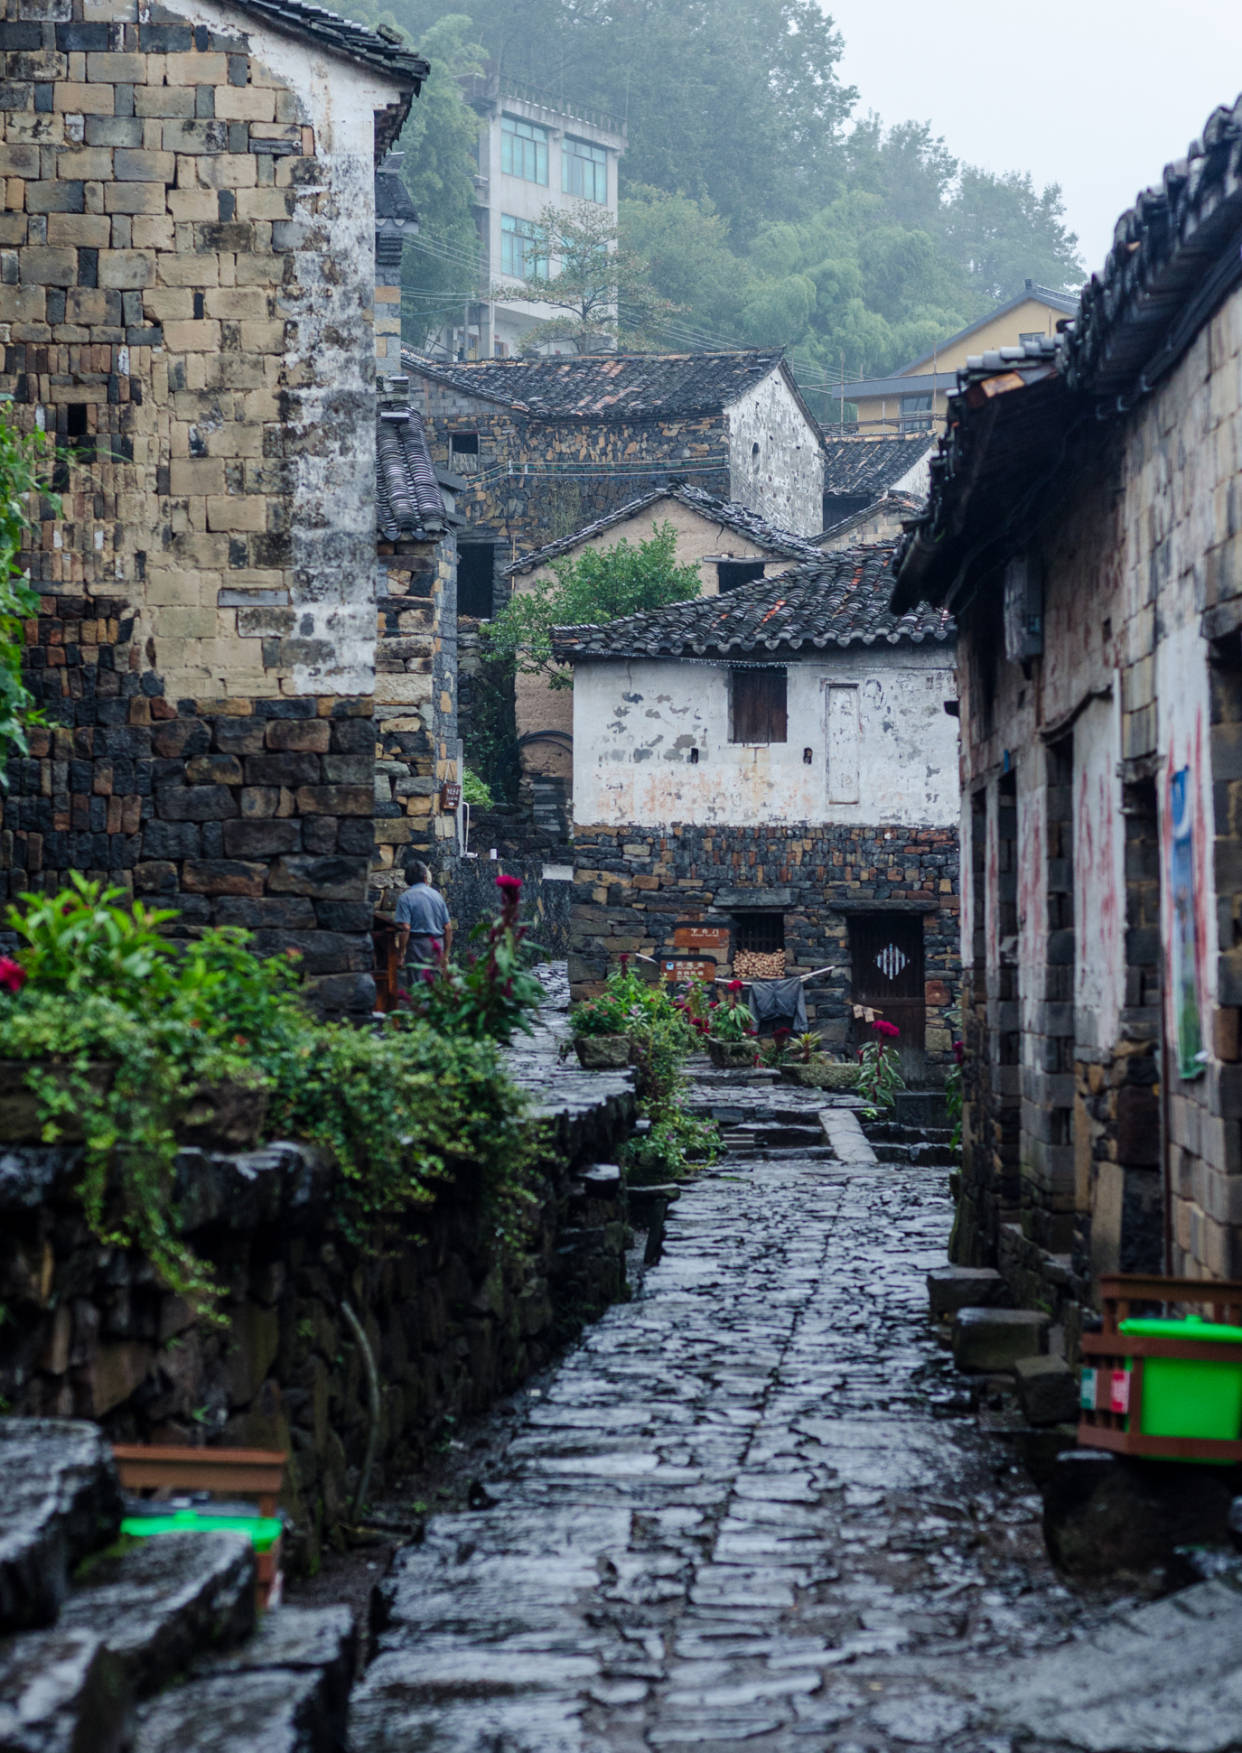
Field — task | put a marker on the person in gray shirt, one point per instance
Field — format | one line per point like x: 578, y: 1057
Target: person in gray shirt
x: 423, y: 915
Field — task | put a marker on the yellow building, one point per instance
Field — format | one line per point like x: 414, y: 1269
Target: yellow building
x: 915, y: 398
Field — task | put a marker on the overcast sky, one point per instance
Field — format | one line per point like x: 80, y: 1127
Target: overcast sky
x: 1097, y: 96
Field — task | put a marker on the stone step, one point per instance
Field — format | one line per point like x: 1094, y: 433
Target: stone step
x: 161, y: 1600
x: 285, y: 1690
x: 63, y: 1692
x: 988, y: 1340
x: 936, y: 1156
x: 59, y: 1501
x: 950, y: 1288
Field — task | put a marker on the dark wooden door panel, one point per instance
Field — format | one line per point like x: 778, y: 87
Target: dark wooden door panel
x: 886, y: 952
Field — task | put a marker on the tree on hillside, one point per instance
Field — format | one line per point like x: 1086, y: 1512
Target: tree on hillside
x: 600, y: 585
x: 1003, y: 230
x: 439, y: 142
x: 600, y: 290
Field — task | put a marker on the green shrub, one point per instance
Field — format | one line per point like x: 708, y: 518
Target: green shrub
x: 96, y: 983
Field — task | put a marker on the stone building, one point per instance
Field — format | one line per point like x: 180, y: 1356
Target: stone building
x: 775, y: 770
x: 1083, y: 527
x: 547, y: 445
x: 189, y: 280
x: 416, y: 655
x: 729, y: 544
x: 860, y: 473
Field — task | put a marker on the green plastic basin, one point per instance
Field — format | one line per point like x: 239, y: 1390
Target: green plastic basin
x: 1191, y: 1397
x: 262, y: 1531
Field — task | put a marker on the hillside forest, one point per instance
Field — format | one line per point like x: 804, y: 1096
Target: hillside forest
x: 767, y: 208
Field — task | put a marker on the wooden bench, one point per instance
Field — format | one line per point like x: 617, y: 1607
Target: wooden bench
x: 250, y: 1473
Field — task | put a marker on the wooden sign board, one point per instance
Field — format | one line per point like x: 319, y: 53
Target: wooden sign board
x: 450, y: 796
x: 680, y: 970
x: 702, y: 937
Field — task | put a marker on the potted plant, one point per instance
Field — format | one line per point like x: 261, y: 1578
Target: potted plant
x: 598, y: 1026
x: 731, y: 1032
x: 805, y: 1061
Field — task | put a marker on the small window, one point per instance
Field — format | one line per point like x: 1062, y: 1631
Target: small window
x: 464, y: 452
x: 584, y: 170
x: 757, y: 710
x: 522, y: 250
x: 731, y: 573
x: 524, y: 150
x: 763, y: 933
x: 916, y: 413
x: 1032, y: 335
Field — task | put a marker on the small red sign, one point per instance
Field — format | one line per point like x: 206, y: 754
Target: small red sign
x: 1119, y: 1391
x: 702, y: 937
x: 450, y: 795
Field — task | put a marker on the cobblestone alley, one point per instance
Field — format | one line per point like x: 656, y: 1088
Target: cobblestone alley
x: 751, y: 1507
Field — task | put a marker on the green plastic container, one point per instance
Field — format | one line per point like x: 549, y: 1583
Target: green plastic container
x: 262, y: 1531
x: 1191, y: 1397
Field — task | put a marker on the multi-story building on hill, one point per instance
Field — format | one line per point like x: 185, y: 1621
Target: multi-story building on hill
x: 535, y: 152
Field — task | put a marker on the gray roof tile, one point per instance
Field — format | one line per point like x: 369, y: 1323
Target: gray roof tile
x: 837, y: 600
x: 408, y: 502
x: 781, y: 544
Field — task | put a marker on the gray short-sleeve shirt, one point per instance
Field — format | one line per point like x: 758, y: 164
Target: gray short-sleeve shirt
x: 424, y: 910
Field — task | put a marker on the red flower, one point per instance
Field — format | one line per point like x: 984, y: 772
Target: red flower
x: 734, y: 986
x: 959, y: 1052
x: 625, y: 962
x: 510, y: 883
x: 12, y: 975
x: 887, y: 1031
x: 781, y: 1034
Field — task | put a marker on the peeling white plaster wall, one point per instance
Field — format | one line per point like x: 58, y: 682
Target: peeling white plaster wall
x: 636, y: 723
x: 783, y: 479
x: 329, y: 363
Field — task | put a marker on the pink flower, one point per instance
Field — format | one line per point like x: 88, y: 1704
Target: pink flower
x: 625, y: 962
x: 887, y: 1031
x: 959, y: 1052
x: 510, y: 884
x: 428, y: 976
x: 12, y: 975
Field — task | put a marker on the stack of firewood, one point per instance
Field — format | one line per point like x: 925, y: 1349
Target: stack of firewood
x: 759, y: 964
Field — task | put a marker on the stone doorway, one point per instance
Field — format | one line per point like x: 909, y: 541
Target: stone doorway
x: 886, y: 958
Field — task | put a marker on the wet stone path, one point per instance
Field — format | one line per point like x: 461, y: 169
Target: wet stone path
x: 751, y: 1508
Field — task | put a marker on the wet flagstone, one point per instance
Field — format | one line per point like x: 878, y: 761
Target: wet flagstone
x: 751, y: 1509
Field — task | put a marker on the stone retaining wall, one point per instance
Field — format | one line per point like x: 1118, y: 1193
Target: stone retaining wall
x: 90, y: 1333
x: 634, y: 887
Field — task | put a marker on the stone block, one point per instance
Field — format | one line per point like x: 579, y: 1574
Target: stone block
x: 303, y: 735
x: 334, y: 800
x: 1047, y: 1390
x: 995, y: 1339
x: 950, y: 1288
x: 61, y: 1500
x: 329, y: 879
x: 222, y: 876
x: 261, y: 838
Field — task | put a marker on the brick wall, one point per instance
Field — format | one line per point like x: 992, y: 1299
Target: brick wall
x: 635, y: 886
x: 180, y: 199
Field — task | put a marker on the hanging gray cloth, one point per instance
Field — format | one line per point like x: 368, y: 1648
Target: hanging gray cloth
x: 778, y: 1004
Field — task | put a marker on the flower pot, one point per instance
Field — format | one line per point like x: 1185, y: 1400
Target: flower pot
x: 20, y: 1121
x: 807, y: 1077
x: 731, y: 1055
x: 224, y: 1116
x: 838, y: 1074
x: 602, y: 1052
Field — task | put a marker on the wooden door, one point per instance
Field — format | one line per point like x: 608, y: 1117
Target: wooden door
x: 886, y: 951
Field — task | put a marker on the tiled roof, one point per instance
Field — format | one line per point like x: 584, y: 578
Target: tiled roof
x: 1174, y: 258
x: 377, y: 48
x: 837, y: 600
x: 897, y: 504
x: 408, y: 502
x: 868, y: 467
x: 608, y: 386
x: 1064, y: 303
x: 781, y: 544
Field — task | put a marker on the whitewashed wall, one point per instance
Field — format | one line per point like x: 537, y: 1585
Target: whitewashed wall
x: 636, y: 723
x: 783, y: 478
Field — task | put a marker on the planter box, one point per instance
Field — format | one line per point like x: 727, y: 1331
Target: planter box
x: 20, y: 1122
x: 731, y: 1055
x: 602, y: 1052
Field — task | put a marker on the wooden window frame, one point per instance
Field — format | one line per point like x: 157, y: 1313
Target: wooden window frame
x: 759, y: 704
